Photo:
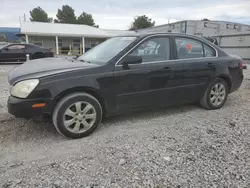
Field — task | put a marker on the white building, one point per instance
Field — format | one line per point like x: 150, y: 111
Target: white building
x: 66, y: 37
x: 203, y: 28
x: 238, y: 44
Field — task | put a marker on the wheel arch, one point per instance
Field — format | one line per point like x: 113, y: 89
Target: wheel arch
x: 37, y: 53
x: 227, y: 79
x: 88, y: 90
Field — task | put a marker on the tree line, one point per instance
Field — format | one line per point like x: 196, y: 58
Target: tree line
x: 67, y: 15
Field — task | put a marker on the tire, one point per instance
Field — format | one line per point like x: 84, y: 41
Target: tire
x: 206, y: 101
x: 38, y: 56
x: 69, y: 104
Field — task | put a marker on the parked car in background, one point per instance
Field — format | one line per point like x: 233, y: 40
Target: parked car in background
x: 17, y: 52
x: 2, y: 44
x: 117, y: 76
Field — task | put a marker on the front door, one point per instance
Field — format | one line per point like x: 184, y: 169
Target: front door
x: 144, y: 84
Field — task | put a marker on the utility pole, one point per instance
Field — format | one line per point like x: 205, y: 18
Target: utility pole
x: 24, y: 17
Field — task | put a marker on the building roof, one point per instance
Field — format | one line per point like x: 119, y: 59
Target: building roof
x: 9, y: 29
x: 70, y: 30
x: 213, y: 21
x: 9, y: 33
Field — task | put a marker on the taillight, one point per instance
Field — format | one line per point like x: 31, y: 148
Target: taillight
x: 241, y: 65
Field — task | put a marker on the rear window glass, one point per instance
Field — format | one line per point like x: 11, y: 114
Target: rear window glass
x: 16, y: 47
x: 188, y: 48
x: 209, y: 52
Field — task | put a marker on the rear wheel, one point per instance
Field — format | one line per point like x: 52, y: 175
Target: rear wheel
x: 215, y: 95
x: 38, y: 56
x: 77, y: 115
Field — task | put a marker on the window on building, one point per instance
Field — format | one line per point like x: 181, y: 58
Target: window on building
x: 38, y: 41
x: 198, y: 34
x: 188, y: 48
x: 155, y: 49
x: 76, y: 43
x: 93, y: 44
x: 60, y: 43
x: 2, y: 37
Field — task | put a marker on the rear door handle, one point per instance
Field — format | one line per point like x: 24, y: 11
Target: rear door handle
x: 211, y: 65
x: 168, y: 68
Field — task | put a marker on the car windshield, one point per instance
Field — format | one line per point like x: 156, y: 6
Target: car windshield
x: 3, y: 46
x: 105, y: 51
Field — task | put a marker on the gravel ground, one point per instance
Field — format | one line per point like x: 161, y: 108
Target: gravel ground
x: 183, y: 146
x: 4, y: 88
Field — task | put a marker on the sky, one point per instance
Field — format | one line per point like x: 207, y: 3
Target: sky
x: 119, y: 14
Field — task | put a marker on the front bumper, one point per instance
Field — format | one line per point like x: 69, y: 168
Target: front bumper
x: 22, y: 108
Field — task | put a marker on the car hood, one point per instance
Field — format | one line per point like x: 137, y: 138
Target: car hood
x: 45, y: 67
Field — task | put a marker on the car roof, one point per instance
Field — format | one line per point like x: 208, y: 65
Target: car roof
x: 143, y: 35
x: 25, y: 44
x: 138, y: 34
x: 200, y: 38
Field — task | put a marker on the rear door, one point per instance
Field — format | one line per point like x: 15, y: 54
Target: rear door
x: 145, y: 84
x: 195, y: 66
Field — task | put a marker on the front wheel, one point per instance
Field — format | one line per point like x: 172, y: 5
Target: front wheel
x: 77, y: 115
x: 215, y: 95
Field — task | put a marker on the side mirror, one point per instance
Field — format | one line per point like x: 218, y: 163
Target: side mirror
x: 132, y: 59
x: 6, y: 49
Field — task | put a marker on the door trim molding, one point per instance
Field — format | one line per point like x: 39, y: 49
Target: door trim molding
x: 155, y: 90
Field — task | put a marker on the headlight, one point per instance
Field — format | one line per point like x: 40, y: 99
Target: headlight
x: 24, y: 88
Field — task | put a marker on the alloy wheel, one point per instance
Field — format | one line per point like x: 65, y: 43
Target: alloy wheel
x: 217, y: 94
x: 79, y: 117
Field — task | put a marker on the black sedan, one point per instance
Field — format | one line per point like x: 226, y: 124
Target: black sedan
x: 17, y: 52
x: 123, y: 74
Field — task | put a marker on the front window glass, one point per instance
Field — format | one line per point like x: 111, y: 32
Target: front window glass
x: 38, y: 41
x: 3, y: 46
x: 105, y: 51
x: 153, y: 50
